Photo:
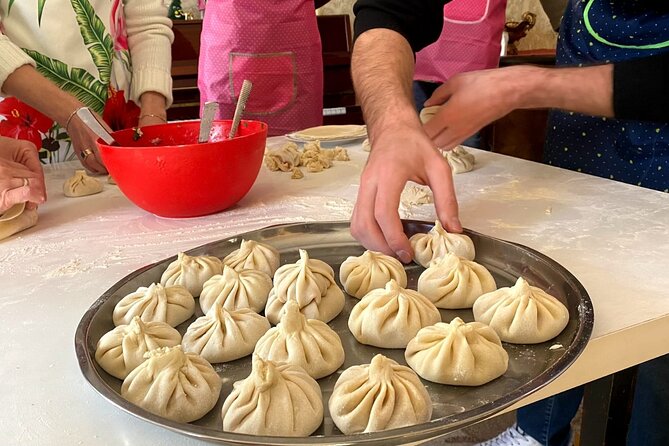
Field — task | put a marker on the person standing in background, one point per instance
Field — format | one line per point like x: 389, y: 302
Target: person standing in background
x: 276, y: 45
x: 470, y: 40
x: 57, y: 56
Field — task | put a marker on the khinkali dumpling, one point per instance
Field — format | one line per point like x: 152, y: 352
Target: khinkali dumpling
x: 191, y: 272
x: 223, y: 335
x: 371, y: 270
x: 390, y: 317
x: 309, y: 343
x: 459, y: 353
x: 275, y: 400
x: 170, y: 304
x: 80, y: 185
x: 459, y: 159
x: 121, y: 350
x: 453, y: 282
x: 439, y: 242
x: 379, y: 396
x: 522, y: 314
x: 254, y: 255
x: 179, y: 386
x: 232, y: 290
x: 309, y: 282
x: 16, y: 219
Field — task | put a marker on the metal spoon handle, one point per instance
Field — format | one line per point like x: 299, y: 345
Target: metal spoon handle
x: 241, y: 105
x: 88, y: 117
x: 208, y: 113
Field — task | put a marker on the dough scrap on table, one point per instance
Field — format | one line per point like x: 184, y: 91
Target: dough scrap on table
x: 16, y: 219
x: 459, y: 159
x: 80, y: 185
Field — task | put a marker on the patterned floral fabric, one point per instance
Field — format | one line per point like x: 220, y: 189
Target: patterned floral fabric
x: 100, y: 82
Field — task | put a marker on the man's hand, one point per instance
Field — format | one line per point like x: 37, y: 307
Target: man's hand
x: 21, y: 176
x: 397, y: 157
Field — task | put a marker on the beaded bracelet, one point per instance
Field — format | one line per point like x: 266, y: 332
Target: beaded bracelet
x: 151, y: 115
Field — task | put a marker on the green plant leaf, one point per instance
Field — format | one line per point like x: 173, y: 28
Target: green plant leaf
x: 77, y: 81
x: 96, y: 37
x: 40, y: 9
x: 9, y: 6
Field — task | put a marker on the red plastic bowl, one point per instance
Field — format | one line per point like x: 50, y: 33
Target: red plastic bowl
x: 166, y: 172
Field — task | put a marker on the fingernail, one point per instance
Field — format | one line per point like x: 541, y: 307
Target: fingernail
x: 404, y: 256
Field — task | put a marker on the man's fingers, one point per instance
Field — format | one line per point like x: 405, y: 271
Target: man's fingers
x: 363, y: 225
x: 445, y: 201
x: 440, y: 95
x: 388, y: 219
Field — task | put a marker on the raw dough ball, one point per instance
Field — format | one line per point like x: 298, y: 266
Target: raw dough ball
x: 253, y: 255
x: 438, y: 242
x: 309, y: 282
x: 522, y: 314
x: 308, y: 343
x: 459, y: 159
x: 459, y: 353
x: 222, y: 335
x: 371, y: 270
x: 171, y: 304
x: 179, y: 386
x: 427, y: 113
x: 121, y: 350
x: 16, y: 219
x: 390, y: 317
x: 379, y: 396
x: 274, y: 400
x: 80, y: 185
x: 453, y: 282
x: 191, y: 272
x: 232, y: 290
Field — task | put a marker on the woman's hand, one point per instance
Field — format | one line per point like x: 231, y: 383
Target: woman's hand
x: 21, y: 175
x: 83, y: 144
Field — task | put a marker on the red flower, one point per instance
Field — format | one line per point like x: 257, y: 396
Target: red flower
x: 23, y: 122
x: 118, y: 113
x: 117, y: 26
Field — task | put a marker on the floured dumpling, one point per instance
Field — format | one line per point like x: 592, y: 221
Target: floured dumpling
x: 439, y: 242
x: 379, y: 396
x: 309, y: 282
x: 308, y: 343
x: 222, y: 335
x: 390, y: 317
x: 427, y: 113
x: 80, y: 185
x: 16, y: 219
x: 170, y: 304
x: 522, y: 314
x: 453, y: 282
x: 191, y: 272
x: 274, y: 400
x: 459, y: 159
x: 179, y: 386
x: 232, y: 290
x: 371, y: 270
x: 254, y: 255
x: 284, y: 158
x: 121, y: 350
x: 459, y: 353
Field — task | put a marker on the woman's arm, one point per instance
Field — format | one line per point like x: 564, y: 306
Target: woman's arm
x: 150, y: 39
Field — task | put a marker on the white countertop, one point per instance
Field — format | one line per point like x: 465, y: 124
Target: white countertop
x: 613, y: 237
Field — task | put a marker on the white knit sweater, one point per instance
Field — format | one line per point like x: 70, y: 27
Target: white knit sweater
x: 58, y: 35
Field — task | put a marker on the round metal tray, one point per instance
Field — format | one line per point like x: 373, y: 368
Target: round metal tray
x: 530, y: 366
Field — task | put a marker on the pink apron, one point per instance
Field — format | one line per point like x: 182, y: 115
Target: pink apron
x: 276, y: 45
x: 470, y: 40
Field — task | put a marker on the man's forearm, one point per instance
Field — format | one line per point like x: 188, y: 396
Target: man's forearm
x: 382, y: 70
x: 587, y: 90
